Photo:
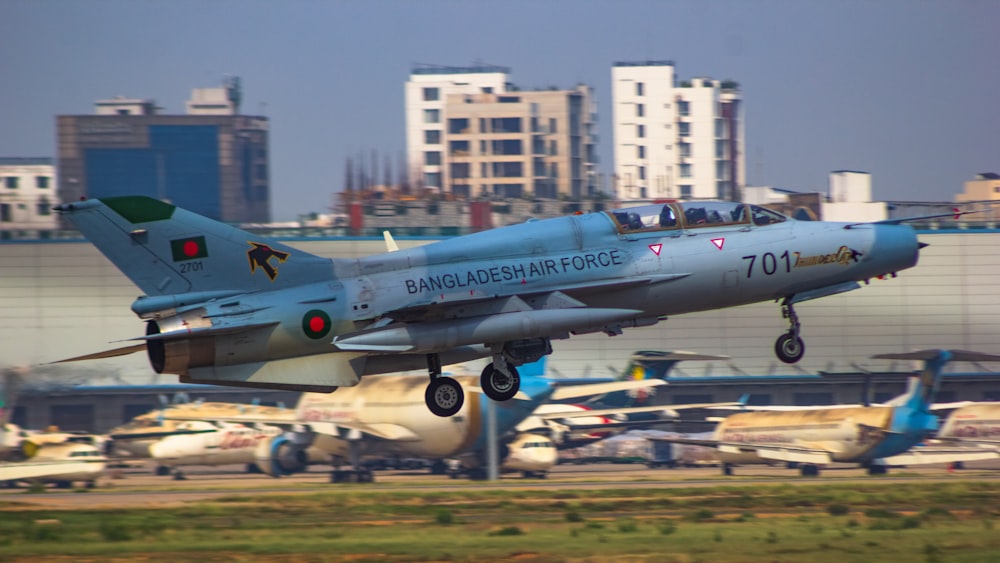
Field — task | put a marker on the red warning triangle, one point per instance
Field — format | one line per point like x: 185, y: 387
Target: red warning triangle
x: 656, y: 248
x: 718, y: 242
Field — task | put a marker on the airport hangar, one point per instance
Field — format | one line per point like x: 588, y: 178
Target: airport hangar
x: 61, y: 298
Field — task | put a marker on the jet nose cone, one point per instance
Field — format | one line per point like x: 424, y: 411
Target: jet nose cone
x: 896, y: 248
x: 923, y: 245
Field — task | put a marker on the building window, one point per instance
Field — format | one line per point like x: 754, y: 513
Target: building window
x: 685, y: 170
x: 458, y: 148
x: 553, y: 148
x: 720, y: 149
x: 42, y: 182
x: 432, y: 179
x: 5, y: 213
x: 432, y: 137
x: 720, y: 128
x: 44, y: 207
x: 507, y: 147
x: 460, y: 170
x: 432, y: 158
x: 640, y: 110
x: 683, y: 108
x: 640, y: 89
x: 11, y: 182
x: 684, y: 129
x: 487, y: 89
x: 684, y: 148
x: 432, y: 94
x: 508, y: 170
x: 505, y: 124
x: 641, y: 151
x: 553, y: 125
x: 432, y: 116
x: 686, y: 191
x: 458, y: 126
x: 642, y: 172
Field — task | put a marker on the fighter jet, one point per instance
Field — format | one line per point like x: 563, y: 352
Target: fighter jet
x: 224, y: 306
x: 875, y: 437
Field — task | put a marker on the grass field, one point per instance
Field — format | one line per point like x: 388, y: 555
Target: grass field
x: 946, y: 522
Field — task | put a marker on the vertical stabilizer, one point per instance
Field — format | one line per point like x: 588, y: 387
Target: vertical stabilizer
x: 920, y: 392
x: 166, y: 250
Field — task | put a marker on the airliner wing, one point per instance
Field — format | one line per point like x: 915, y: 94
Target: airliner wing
x: 777, y: 452
x: 20, y: 470
x: 667, y: 410
x: 574, y: 391
x: 781, y: 452
x: 382, y: 431
x: 941, y: 454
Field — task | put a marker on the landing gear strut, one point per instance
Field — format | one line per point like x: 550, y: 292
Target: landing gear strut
x: 789, y: 348
x: 444, y: 396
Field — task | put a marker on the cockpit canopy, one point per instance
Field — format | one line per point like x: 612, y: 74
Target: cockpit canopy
x: 691, y: 215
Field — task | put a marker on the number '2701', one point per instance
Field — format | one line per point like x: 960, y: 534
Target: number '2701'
x: 769, y: 263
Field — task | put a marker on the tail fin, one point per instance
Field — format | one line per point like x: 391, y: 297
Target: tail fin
x: 920, y: 394
x: 166, y: 250
x: 532, y: 369
x: 646, y: 364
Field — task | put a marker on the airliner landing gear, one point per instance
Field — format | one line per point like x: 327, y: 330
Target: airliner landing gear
x: 809, y: 470
x: 500, y: 382
x: 444, y: 396
x: 789, y: 348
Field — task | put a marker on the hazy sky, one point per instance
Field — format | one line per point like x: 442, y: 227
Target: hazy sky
x: 905, y: 89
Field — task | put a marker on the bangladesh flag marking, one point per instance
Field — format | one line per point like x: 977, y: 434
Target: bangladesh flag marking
x: 316, y: 324
x: 188, y: 248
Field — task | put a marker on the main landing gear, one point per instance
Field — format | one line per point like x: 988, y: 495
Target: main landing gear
x: 499, y: 380
x: 789, y: 348
x: 444, y: 395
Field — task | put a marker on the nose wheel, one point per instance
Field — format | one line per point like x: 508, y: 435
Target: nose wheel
x: 444, y: 395
x: 789, y: 347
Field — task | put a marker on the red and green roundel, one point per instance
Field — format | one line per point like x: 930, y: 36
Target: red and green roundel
x: 316, y: 324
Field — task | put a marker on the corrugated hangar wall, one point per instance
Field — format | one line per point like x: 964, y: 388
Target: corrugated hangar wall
x: 64, y: 299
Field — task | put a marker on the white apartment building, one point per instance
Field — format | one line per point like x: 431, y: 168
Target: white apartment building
x: 27, y: 194
x: 675, y: 139
x: 427, y: 92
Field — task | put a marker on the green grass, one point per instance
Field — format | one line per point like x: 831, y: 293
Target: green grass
x: 883, y: 522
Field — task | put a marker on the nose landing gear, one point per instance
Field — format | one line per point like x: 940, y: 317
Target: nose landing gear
x: 789, y: 347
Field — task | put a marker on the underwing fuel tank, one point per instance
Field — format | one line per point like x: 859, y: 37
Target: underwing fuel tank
x: 478, y: 330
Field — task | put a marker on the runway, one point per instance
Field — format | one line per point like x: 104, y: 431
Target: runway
x: 138, y: 487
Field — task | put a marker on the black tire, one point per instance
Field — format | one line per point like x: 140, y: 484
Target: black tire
x: 444, y: 396
x: 789, y: 349
x: 499, y: 386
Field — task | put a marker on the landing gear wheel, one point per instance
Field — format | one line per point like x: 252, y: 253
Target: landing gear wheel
x: 498, y: 385
x: 444, y: 396
x: 789, y: 348
x: 809, y: 470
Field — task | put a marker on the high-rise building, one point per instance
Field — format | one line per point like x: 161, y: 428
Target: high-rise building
x: 472, y: 134
x: 520, y: 144
x: 212, y: 160
x: 427, y: 91
x: 675, y: 139
x: 27, y: 194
